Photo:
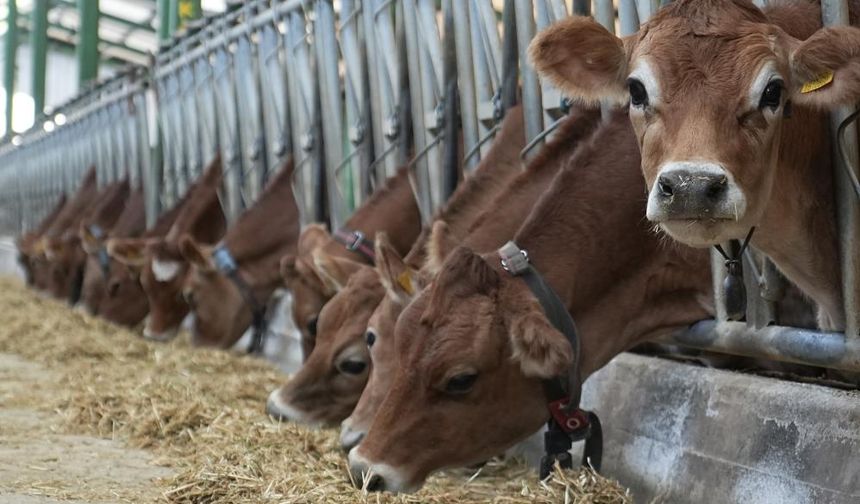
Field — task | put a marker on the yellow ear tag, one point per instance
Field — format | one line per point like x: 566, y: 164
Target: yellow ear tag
x: 405, y: 281
x: 817, y: 83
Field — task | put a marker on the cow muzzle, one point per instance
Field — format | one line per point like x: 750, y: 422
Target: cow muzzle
x: 695, y: 191
x: 376, y: 477
x: 349, y: 436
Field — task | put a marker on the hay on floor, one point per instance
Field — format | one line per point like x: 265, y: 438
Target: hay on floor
x: 202, y: 413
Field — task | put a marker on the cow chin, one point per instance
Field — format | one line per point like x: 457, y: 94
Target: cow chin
x: 279, y: 409
x: 704, y: 233
x: 161, y: 336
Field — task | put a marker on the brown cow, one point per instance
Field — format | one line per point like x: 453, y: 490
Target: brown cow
x: 34, y: 267
x: 474, y: 347
x: 710, y: 85
x: 98, y: 224
x: 255, y: 243
x: 404, y: 278
x: 64, y: 251
x: 131, y: 222
x: 391, y: 208
x: 163, y: 271
x: 125, y: 302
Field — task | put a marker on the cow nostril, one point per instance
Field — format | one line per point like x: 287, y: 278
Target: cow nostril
x: 375, y: 484
x: 665, y: 188
x: 717, y: 187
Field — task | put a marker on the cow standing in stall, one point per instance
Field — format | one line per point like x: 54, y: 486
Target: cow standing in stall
x: 391, y: 208
x: 231, y: 284
x: 727, y: 102
x: 405, y: 278
x: 163, y: 271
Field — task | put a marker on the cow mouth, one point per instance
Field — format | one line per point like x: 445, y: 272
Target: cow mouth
x: 701, y: 233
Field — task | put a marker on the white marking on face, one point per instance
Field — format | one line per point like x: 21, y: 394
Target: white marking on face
x: 734, y: 203
x: 164, y: 271
x: 643, y: 71
x: 766, y: 74
x: 149, y: 334
x: 394, y: 479
x: 349, y: 437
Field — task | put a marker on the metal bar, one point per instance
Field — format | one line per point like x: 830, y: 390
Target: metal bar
x: 173, y: 16
x: 532, y: 110
x: 466, y: 74
x: 163, y: 13
x: 835, y: 12
x: 88, y: 40
x: 10, y: 50
x: 786, y: 344
x: 39, y: 48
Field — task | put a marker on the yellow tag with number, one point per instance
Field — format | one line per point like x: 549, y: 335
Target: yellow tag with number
x: 817, y: 83
x: 405, y: 281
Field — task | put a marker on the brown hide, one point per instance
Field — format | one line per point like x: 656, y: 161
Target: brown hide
x: 476, y: 343
x: 494, y: 225
x: 259, y: 238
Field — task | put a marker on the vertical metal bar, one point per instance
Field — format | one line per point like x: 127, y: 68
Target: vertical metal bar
x: 325, y: 46
x: 39, y: 48
x: 251, y: 132
x: 604, y: 13
x: 628, y: 17
x: 510, y: 57
x: 532, y: 110
x: 173, y: 16
x: 10, y: 50
x: 835, y: 12
x: 164, y: 30
x: 88, y: 40
x: 466, y: 72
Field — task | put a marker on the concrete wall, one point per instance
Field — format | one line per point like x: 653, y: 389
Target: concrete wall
x: 675, y: 432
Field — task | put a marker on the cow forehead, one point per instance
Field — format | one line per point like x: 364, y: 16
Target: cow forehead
x: 686, y: 64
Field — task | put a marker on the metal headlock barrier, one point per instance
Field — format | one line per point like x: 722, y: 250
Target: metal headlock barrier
x: 354, y: 89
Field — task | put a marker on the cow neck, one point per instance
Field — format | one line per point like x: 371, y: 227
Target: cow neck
x: 391, y: 209
x: 107, y: 210
x: 590, y: 242
x: 798, y: 230
x: 201, y: 215
x: 76, y: 208
x: 62, y: 201
x: 132, y: 221
x: 516, y: 201
x: 476, y: 192
x: 270, y: 224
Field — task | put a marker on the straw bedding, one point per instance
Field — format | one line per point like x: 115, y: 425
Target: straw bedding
x: 202, y: 413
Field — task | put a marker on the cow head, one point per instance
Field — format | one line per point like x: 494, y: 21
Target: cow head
x: 402, y: 284
x: 709, y: 85
x: 124, y: 301
x: 333, y: 376
x: 67, y: 260
x: 310, y: 290
x: 162, y: 275
x: 472, y: 349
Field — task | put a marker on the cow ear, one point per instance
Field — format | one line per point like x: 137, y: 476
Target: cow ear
x: 334, y: 271
x: 131, y: 252
x: 89, y: 242
x: 442, y: 241
x: 196, y: 254
x: 401, y: 282
x: 313, y: 237
x: 581, y: 58
x: 825, y: 68
x: 541, y: 350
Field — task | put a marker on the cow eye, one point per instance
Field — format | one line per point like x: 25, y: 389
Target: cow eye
x: 771, y: 96
x: 352, y: 367
x: 461, y: 383
x: 370, y: 338
x: 312, y: 326
x: 638, y: 94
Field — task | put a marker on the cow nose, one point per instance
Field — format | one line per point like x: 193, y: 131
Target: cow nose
x: 691, y: 185
x: 350, y: 438
x: 362, y: 479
